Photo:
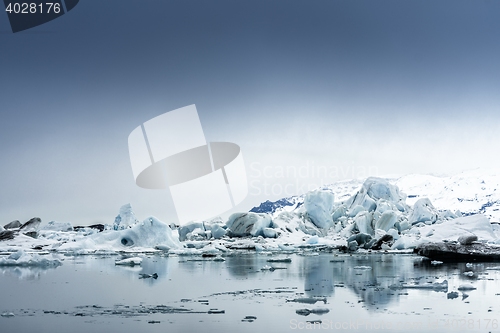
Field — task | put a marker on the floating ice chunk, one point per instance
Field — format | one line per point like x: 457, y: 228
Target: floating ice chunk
x: 465, y: 287
x: 125, y: 218
x: 129, y: 261
x: 247, y: 224
x: 436, y: 262
x: 423, y: 211
x: 452, y: 295
x: 308, y: 300
x: 7, y: 314
x: 319, y: 205
x: 469, y: 273
x: 437, y: 286
x: 285, y: 260
x: 21, y: 258
x: 307, y: 312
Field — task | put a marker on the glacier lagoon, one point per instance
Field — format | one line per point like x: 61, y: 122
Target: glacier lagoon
x: 250, y: 292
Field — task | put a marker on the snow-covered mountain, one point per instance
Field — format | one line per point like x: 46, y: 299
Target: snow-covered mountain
x: 470, y: 192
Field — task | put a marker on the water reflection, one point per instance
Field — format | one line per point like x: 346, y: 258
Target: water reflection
x: 149, y: 266
x: 319, y: 277
x: 26, y: 273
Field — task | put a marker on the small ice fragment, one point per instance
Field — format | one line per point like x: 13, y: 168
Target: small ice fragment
x: 466, y: 286
x: 469, y: 273
x: 129, y: 261
x: 436, y: 262
x: 287, y: 260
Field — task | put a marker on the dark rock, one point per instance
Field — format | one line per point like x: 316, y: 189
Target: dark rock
x: 99, y: 227
x: 384, y: 239
x: 147, y: 276
x: 13, y: 225
x: 456, y: 252
x: 32, y: 234
x: 303, y: 312
x: 467, y: 239
x: 7, y: 234
x: 360, y: 238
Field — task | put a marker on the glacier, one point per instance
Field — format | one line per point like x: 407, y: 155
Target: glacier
x: 371, y: 215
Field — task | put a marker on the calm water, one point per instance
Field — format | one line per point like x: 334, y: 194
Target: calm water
x: 91, y: 294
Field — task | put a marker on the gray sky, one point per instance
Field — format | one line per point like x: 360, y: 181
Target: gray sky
x: 313, y: 91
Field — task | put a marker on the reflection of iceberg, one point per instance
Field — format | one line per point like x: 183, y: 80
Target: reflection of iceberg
x: 319, y: 277
x: 26, y: 273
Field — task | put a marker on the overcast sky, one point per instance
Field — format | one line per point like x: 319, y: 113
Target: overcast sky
x: 355, y: 88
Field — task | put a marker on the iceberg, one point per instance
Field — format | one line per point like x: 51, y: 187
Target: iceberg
x: 423, y: 211
x: 125, y: 218
x: 57, y: 226
x: 374, y: 189
x: 248, y: 224
x: 149, y: 234
x: 22, y: 258
x: 319, y: 205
